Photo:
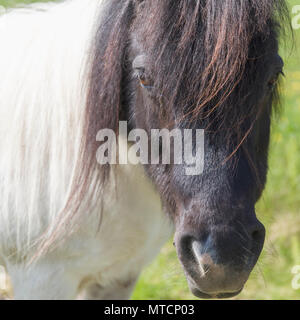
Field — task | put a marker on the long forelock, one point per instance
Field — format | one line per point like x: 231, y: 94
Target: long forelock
x: 203, y: 45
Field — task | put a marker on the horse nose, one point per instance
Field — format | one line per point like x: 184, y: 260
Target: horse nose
x: 219, y: 262
x: 208, y: 276
x: 256, y: 233
x: 223, y: 244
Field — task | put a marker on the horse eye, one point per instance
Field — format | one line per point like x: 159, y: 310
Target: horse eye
x: 273, y: 81
x: 144, y: 82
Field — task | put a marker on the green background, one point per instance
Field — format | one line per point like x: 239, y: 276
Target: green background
x: 279, y: 208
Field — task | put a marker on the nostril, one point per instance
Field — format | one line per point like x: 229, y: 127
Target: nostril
x: 184, y: 247
x: 256, y: 236
x: 191, y: 250
x: 258, y: 233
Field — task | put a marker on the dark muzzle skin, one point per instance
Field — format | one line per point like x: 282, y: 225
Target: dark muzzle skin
x: 218, y: 237
x: 218, y: 256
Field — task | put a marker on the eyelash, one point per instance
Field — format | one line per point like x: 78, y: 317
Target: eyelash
x: 272, y: 83
x: 142, y: 80
x: 144, y: 84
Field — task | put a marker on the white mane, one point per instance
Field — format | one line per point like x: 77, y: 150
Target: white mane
x: 43, y: 57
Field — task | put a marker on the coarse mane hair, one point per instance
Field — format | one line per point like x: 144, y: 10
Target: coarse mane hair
x: 199, y: 50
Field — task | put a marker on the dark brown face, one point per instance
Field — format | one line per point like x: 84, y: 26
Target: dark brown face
x: 218, y: 236
x: 201, y: 64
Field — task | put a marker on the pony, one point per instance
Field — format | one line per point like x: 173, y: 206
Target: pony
x: 70, y: 227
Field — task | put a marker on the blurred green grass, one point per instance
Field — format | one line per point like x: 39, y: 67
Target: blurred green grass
x: 13, y: 3
x: 279, y: 208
